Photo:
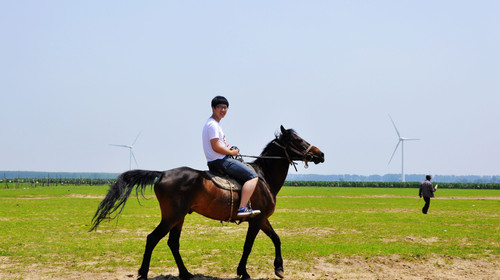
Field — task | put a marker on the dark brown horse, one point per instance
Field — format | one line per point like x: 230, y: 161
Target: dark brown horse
x: 183, y: 190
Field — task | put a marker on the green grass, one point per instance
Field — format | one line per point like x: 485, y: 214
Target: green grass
x: 48, y: 227
x: 350, y: 222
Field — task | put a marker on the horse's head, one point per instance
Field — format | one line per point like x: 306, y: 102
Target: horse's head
x: 297, y: 148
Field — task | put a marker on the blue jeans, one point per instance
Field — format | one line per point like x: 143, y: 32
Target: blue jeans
x: 234, y: 168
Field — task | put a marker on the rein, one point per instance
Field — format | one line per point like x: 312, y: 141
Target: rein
x: 290, y: 160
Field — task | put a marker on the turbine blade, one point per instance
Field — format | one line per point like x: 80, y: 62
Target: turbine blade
x: 394, y: 126
x: 394, y: 151
x: 137, y: 137
x: 123, y: 146
x: 411, y: 139
x: 134, y: 158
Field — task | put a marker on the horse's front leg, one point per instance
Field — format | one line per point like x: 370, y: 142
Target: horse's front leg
x: 253, y: 230
x: 278, y: 261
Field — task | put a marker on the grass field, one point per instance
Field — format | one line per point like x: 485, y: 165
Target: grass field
x: 44, y: 234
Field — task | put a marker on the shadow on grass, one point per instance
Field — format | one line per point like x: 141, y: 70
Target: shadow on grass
x: 198, y: 277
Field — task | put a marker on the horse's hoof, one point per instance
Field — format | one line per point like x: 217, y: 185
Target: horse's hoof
x: 142, y: 274
x: 245, y: 277
x: 186, y: 276
x: 242, y: 272
x: 280, y: 273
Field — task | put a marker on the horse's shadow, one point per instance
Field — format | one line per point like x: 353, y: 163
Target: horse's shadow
x: 198, y: 277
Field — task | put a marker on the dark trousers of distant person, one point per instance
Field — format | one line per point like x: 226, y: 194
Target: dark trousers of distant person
x: 427, y: 204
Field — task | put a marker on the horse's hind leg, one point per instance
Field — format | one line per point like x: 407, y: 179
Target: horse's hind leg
x: 173, y: 243
x: 152, y: 240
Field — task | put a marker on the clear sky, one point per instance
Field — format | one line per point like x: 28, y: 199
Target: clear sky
x: 76, y: 76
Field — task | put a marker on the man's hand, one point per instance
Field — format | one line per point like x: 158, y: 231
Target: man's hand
x: 234, y: 151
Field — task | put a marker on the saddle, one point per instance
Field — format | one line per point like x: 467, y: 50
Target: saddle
x: 223, y: 181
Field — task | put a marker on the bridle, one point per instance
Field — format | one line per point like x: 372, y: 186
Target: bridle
x: 290, y: 160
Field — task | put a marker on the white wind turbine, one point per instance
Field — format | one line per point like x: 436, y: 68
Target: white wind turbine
x: 402, y: 141
x: 130, y: 147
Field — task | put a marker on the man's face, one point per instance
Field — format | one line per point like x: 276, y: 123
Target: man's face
x: 220, y: 110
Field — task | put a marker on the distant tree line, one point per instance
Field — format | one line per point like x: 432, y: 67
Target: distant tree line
x: 394, y: 178
x: 341, y: 184
x: 23, y: 179
x: 47, y: 182
x: 291, y: 177
x: 68, y: 175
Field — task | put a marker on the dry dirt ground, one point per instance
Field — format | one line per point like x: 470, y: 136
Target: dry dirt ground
x: 343, y: 268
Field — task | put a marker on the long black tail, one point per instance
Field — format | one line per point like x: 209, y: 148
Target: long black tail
x: 120, y: 191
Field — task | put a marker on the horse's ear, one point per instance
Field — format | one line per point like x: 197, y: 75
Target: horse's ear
x: 283, y: 130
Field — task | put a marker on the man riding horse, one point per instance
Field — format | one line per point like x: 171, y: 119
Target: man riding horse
x: 219, y: 156
x: 184, y: 190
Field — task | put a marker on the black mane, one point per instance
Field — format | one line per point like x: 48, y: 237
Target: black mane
x: 272, y: 149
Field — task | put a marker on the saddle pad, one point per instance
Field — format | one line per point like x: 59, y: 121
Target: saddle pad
x: 224, y: 182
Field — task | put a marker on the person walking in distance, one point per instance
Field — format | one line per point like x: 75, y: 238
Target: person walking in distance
x: 219, y: 154
x: 426, y: 191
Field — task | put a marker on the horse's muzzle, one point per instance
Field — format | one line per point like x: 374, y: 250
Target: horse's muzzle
x: 316, y: 156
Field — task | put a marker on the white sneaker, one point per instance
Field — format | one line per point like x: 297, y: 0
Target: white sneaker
x: 246, y: 211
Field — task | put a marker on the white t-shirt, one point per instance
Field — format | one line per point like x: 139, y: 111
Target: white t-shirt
x: 212, y: 130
